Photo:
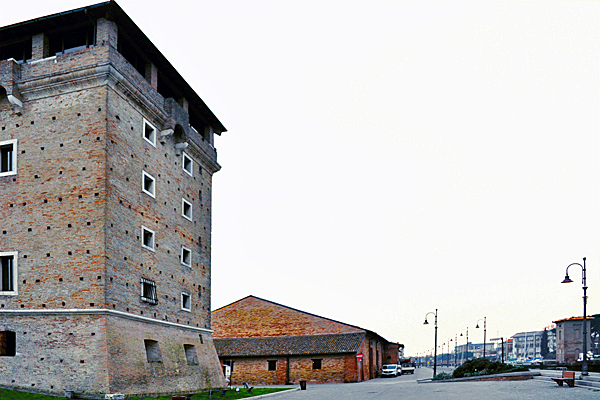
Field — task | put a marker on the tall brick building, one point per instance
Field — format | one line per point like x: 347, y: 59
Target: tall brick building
x: 269, y: 343
x: 106, y: 164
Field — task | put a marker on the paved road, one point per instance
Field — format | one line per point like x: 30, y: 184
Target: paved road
x: 405, y: 387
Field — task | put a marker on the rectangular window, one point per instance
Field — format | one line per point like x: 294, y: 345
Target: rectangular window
x: 8, y: 344
x: 187, y: 164
x: 190, y: 354
x: 272, y: 365
x: 152, y: 351
x: 149, y: 133
x: 8, y: 157
x: 148, y: 291
x: 8, y: 273
x: 316, y: 363
x: 148, y: 184
x: 186, y: 301
x: 186, y: 256
x: 186, y: 209
x: 147, y: 238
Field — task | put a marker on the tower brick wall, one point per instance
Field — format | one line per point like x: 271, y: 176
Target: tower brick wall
x: 110, y: 284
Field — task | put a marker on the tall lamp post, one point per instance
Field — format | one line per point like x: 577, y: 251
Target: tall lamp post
x: 455, y: 350
x: 484, y: 330
x: 435, y: 347
x: 584, y: 367
x: 467, y: 347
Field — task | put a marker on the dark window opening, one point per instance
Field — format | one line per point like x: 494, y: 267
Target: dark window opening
x: 316, y: 363
x: 272, y: 365
x: 148, y: 291
x: 6, y: 157
x: 8, y: 344
x: 132, y: 54
x: 66, y: 41
x: 7, y: 273
x: 20, y: 51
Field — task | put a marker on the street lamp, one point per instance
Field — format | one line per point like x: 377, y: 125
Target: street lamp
x: 584, y: 367
x: 484, y: 329
x: 435, y: 347
x: 467, y: 347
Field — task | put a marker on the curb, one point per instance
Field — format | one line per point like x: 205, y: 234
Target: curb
x: 511, y: 376
x: 274, y: 393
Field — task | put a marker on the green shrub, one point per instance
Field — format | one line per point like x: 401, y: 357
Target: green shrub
x: 482, y: 366
x: 442, y: 375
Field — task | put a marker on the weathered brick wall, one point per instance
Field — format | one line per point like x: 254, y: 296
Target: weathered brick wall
x: 130, y: 372
x: 56, y: 353
x: 334, y: 369
x: 52, y: 209
x: 254, y: 317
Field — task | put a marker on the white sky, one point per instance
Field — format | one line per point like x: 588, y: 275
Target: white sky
x: 387, y: 158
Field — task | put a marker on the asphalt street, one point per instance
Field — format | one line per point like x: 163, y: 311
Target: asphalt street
x: 405, y: 387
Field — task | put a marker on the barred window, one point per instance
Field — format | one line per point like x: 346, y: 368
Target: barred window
x: 148, y: 291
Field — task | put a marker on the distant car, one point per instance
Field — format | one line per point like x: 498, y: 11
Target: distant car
x: 408, y: 368
x: 389, y: 370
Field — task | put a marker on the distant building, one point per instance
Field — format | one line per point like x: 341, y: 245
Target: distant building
x: 526, y: 346
x: 106, y: 165
x: 475, y: 351
x: 268, y: 343
x: 569, y: 339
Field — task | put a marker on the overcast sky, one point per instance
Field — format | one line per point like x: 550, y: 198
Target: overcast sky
x: 387, y: 158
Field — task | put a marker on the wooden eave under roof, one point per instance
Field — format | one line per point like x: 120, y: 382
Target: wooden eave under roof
x: 112, y: 11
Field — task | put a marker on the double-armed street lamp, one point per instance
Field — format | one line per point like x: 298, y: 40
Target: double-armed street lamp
x: 484, y: 330
x: 435, y: 346
x: 584, y: 367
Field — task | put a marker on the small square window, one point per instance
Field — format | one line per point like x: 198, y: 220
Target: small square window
x: 149, y: 133
x: 148, y: 291
x: 316, y: 363
x: 152, y: 351
x: 186, y: 209
x: 190, y: 354
x: 148, y: 184
x: 186, y: 256
x: 147, y: 238
x: 8, y: 273
x: 272, y: 365
x: 8, y: 157
x: 186, y: 301
x: 187, y: 164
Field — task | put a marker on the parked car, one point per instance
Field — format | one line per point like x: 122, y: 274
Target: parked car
x: 389, y: 370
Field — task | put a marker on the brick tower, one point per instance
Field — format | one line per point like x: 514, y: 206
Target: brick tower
x: 106, y: 164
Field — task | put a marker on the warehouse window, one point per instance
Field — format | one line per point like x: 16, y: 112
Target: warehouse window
x: 152, y: 351
x: 190, y: 354
x: 186, y: 301
x: 8, y: 157
x: 8, y: 273
x: 272, y: 365
x: 148, y: 184
x: 186, y: 256
x: 8, y: 344
x: 186, y: 209
x: 149, y: 133
x: 316, y: 363
x: 148, y: 291
x: 187, y: 164
x: 147, y: 238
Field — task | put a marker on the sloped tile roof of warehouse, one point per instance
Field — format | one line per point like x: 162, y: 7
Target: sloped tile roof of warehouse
x: 289, y: 345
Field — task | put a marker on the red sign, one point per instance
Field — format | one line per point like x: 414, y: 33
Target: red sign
x: 359, y: 356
